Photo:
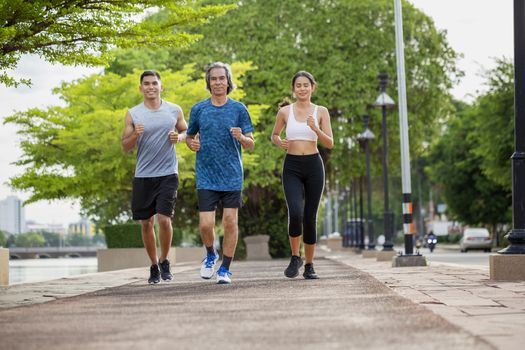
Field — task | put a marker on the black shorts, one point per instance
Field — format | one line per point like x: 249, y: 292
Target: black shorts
x: 154, y: 195
x: 208, y: 199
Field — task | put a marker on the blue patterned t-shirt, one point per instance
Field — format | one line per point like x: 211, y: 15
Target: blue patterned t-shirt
x: 219, y: 160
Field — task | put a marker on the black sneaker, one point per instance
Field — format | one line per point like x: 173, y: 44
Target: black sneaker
x: 154, y: 274
x: 165, y: 271
x: 309, y: 272
x: 293, y: 269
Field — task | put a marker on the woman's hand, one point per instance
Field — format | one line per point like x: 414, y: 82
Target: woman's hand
x: 310, y: 121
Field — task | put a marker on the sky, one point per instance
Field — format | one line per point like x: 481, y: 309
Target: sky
x: 481, y: 30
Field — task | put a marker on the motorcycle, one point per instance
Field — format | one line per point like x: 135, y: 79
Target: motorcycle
x: 431, y: 243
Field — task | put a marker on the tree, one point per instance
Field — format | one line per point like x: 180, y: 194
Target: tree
x: 52, y: 238
x: 456, y: 167
x: 345, y: 44
x: 3, y: 239
x: 471, y: 161
x: 83, y: 32
x: 78, y: 240
x: 30, y: 239
x: 494, y: 115
x: 74, y: 151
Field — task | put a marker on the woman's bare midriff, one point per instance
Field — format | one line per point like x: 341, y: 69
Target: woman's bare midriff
x: 302, y: 148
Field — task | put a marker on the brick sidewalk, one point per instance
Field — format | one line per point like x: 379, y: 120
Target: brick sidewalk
x: 491, y: 310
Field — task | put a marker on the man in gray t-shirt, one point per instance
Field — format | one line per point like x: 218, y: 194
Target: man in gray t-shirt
x: 154, y: 126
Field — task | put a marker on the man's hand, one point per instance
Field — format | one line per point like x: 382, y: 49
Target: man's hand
x: 194, y: 143
x: 173, y: 136
x: 139, y: 129
x: 236, y: 133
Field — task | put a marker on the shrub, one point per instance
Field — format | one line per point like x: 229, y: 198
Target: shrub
x: 129, y: 235
x: 123, y: 236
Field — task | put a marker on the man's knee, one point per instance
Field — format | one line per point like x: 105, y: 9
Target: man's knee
x: 229, y: 220
x: 164, y: 221
x: 147, y: 224
x: 229, y: 225
x: 206, y: 221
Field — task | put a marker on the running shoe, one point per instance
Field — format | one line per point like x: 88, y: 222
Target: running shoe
x: 165, y: 272
x: 293, y: 269
x: 154, y: 274
x: 309, y: 272
x: 223, y: 276
x: 208, y: 265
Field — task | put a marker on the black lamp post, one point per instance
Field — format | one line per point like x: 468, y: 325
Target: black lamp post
x: 360, y: 222
x: 516, y: 236
x: 364, y: 137
x: 350, y: 214
x: 384, y: 101
x: 357, y: 235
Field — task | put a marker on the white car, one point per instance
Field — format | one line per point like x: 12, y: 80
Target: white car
x: 475, y: 238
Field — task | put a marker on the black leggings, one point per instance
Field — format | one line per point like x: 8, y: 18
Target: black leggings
x: 303, y: 182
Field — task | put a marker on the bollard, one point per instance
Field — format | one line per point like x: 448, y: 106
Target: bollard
x: 4, y: 267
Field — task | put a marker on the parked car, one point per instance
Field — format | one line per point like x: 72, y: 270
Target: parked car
x: 475, y: 238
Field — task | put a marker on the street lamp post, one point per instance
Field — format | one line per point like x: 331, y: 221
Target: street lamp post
x: 365, y: 137
x: 384, y: 101
x: 516, y: 236
x: 361, y: 227
x: 357, y: 234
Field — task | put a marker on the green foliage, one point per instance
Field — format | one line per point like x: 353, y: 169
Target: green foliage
x: 123, y: 236
x: 470, y: 162
x: 494, y: 115
x: 78, y: 240
x: 29, y: 239
x: 52, y: 238
x: 10, y: 241
x: 240, y: 249
x: 3, y: 239
x: 84, y: 32
x: 345, y: 44
x: 75, y: 151
x: 129, y: 235
x: 456, y: 167
x: 264, y: 212
x: 177, y: 237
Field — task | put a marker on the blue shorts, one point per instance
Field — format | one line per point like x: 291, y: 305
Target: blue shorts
x: 208, y: 199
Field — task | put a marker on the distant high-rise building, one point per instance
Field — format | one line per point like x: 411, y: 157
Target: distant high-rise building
x: 12, y: 215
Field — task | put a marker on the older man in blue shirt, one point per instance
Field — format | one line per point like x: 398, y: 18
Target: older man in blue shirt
x: 219, y: 128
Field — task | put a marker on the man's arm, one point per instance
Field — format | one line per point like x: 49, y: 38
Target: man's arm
x: 247, y: 141
x: 193, y: 142
x: 179, y: 134
x: 131, y: 133
x: 181, y: 127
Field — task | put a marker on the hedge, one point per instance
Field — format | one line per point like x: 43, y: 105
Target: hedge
x: 129, y: 236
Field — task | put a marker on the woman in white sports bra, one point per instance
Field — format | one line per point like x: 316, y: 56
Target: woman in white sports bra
x: 303, y: 169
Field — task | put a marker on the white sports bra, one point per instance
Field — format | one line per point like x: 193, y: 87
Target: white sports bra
x: 300, y: 130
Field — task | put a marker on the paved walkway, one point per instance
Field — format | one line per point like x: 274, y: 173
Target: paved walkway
x: 358, y: 303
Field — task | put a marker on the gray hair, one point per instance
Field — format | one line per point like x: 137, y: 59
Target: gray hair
x: 228, y: 71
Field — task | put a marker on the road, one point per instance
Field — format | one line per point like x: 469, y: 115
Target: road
x: 471, y: 259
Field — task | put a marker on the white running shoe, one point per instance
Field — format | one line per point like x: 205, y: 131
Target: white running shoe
x: 208, y: 265
x: 223, y: 276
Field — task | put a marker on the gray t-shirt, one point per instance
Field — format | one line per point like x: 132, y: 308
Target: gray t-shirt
x: 156, y: 155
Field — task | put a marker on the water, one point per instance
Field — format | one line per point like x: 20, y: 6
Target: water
x: 37, y: 270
